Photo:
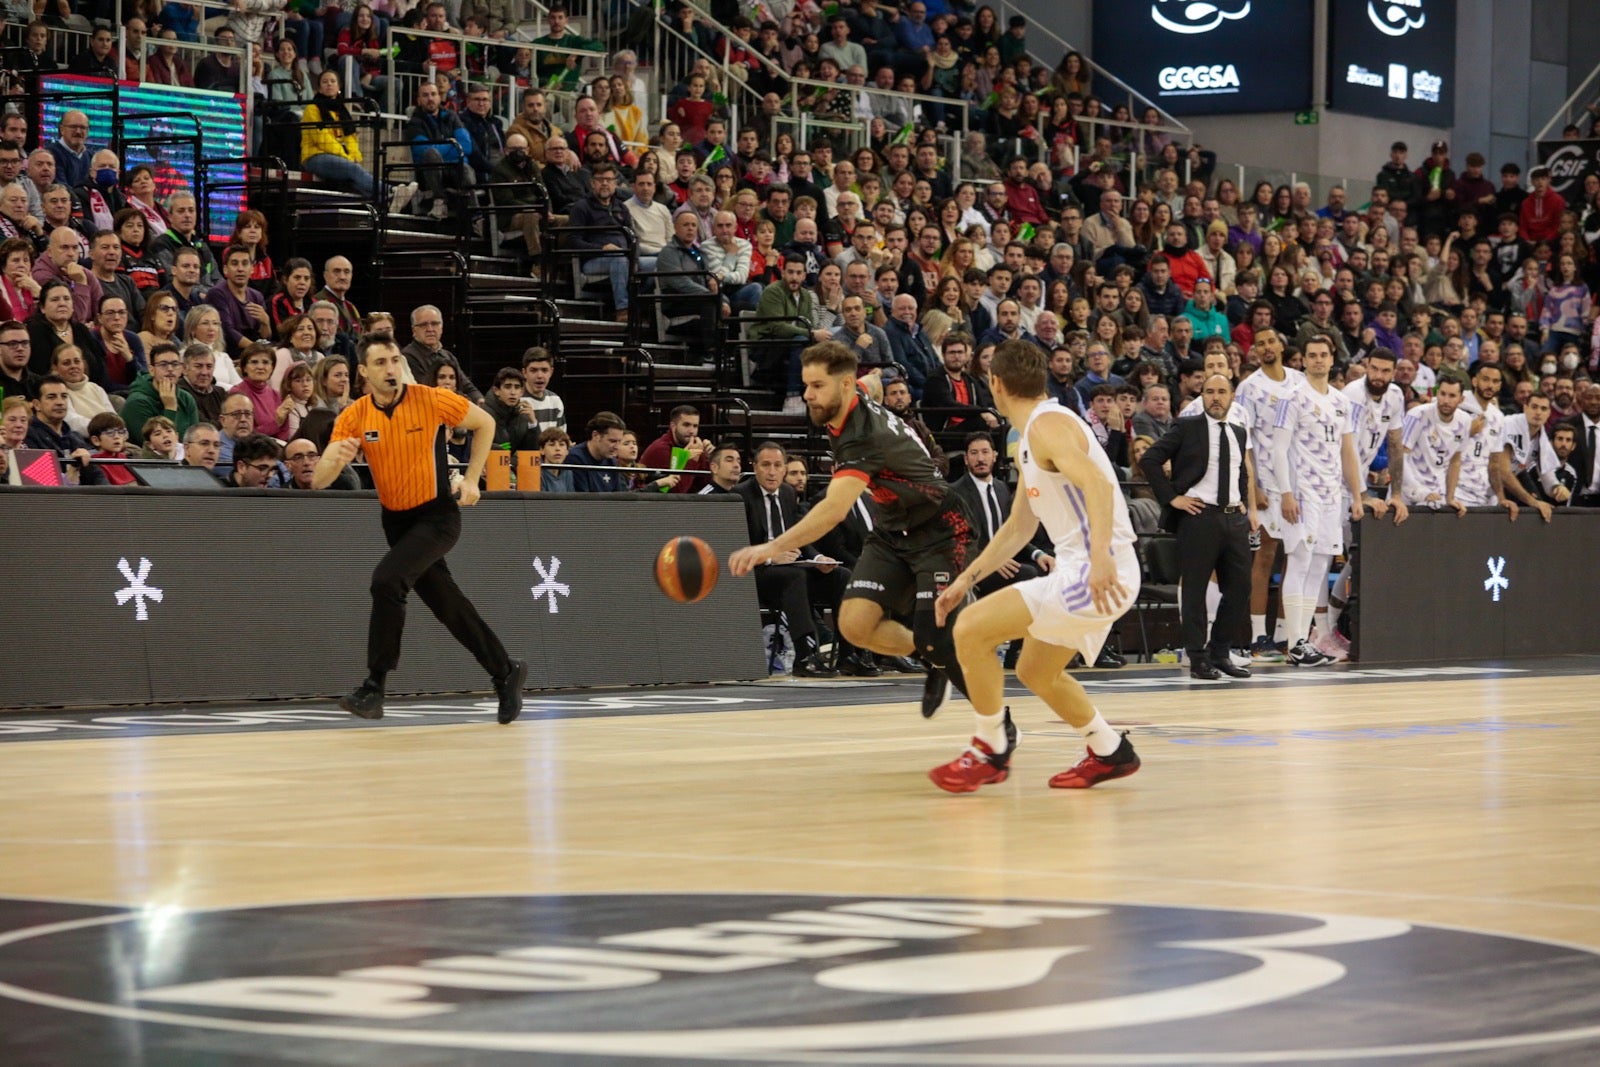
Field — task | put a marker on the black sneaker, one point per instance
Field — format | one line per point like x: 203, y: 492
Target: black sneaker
x: 365, y: 701
x: 1110, y: 659
x: 935, y: 692
x: 509, y: 690
x: 900, y: 664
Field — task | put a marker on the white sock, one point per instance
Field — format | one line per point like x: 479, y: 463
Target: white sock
x: 1213, y: 598
x: 991, y: 730
x: 1102, y: 739
x: 1320, y: 622
x: 1294, y: 613
x: 1258, y: 626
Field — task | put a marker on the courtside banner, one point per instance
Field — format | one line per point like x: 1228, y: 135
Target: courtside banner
x: 139, y: 595
x: 1478, y: 587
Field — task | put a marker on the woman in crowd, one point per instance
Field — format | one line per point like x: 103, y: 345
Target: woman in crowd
x: 203, y: 326
x: 293, y: 297
x: 138, y: 262
x: 85, y: 399
x: 950, y: 299
x: 1134, y: 312
x: 1568, y: 307
x: 52, y: 326
x: 829, y: 301
x: 330, y: 385
x: 250, y: 230
x: 625, y: 117
x: 19, y: 292
x: 362, y: 41
x: 139, y: 187
x: 257, y: 364
x: 160, y: 322
x: 297, y: 338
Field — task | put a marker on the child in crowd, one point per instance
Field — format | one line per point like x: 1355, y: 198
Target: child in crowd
x: 109, y: 436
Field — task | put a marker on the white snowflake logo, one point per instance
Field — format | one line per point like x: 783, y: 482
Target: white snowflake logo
x: 138, y: 588
x: 548, y: 587
x: 1497, y: 580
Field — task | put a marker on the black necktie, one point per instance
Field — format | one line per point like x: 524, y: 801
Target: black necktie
x: 774, y: 517
x: 994, y: 509
x: 1224, y: 467
x: 1589, y: 461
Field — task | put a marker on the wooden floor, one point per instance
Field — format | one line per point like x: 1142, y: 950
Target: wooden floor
x: 1470, y: 802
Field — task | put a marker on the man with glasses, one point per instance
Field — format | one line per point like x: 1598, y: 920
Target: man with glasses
x: 15, y: 352
x: 202, y: 446
x: 300, y: 456
x: 606, y: 229
x: 158, y: 393
x: 219, y: 71
x: 255, y: 458
x: 427, y: 349
x: 564, y: 180
x: 71, y: 146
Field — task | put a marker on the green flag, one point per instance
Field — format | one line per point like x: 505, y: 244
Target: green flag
x: 904, y: 136
x: 717, y: 156
x: 1026, y: 232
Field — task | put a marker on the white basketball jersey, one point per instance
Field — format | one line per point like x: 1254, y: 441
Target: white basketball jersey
x: 1059, y: 504
x: 1430, y: 443
x: 1374, y: 418
x: 1260, y: 396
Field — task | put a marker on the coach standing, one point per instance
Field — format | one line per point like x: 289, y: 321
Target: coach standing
x: 1205, y: 504
x: 402, y: 430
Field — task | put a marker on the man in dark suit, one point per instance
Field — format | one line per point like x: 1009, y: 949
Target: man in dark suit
x: 1205, y: 504
x: 989, y: 500
x: 1586, y: 456
x: 770, y: 508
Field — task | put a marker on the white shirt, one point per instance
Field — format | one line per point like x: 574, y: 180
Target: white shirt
x: 1433, y: 442
x: 1587, y: 426
x: 1472, y: 488
x: 1259, y: 396
x: 1374, y: 418
x: 652, y: 224
x: 1318, y: 422
x: 1530, y: 451
x: 1206, y: 488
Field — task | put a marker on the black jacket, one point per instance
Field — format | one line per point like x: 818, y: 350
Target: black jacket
x: 939, y: 398
x: 1188, y: 446
x: 977, y: 508
x: 755, y: 511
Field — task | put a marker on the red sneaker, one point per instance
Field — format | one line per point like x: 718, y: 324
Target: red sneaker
x: 1093, y: 769
x: 979, y: 765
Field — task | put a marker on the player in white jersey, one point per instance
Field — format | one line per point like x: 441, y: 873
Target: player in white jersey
x: 1066, y: 481
x: 1434, y: 436
x: 1379, y: 409
x: 1318, y: 454
x: 1258, y: 396
x: 1486, y: 476
x: 1533, y: 458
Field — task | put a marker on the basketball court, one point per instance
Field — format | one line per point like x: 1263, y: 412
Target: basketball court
x: 1346, y: 865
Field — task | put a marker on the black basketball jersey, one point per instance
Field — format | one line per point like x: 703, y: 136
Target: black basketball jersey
x: 876, y: 446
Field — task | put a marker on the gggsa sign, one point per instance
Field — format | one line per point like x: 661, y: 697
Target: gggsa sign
x: 1209, y: 57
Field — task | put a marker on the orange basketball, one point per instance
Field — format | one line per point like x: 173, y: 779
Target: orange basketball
x: 686, y: 569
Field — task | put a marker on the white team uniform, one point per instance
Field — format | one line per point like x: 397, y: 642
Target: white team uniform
x: 1258, y: 397
x: 1430, y: 443
x: 1317, y: 424
x: 1472, y: 488
x: 1063, y: 610
x: 1372, y: 420
x: 1530, y: 451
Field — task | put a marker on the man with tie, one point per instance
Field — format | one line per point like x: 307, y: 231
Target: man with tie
x: 1584, y: 458
x: 989, y: 499
x: 771, y: 508
x: 1209, y: 503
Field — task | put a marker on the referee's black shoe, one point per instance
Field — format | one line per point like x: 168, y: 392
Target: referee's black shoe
x: 365, y: 701
x: 509, y: 689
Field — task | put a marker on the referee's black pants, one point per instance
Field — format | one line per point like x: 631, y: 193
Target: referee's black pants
x: 1215, y: 540
x: 418, y: 540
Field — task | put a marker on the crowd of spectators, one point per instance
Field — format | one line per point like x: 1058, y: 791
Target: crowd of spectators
x: 1110, y: 246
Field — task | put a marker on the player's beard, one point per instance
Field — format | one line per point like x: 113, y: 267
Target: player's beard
x: 821, y: 416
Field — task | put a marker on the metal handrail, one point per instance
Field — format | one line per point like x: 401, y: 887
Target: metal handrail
x: 1563, y: 115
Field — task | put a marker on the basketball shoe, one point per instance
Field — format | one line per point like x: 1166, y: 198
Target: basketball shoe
x: 365, y: 701
x: 935, y: 691
x: 1093, y: 769
x: 979, y: 765
x: 1305, y: 654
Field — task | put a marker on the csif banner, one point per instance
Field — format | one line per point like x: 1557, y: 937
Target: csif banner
x: 1393, y: 59
x: 1570, y: 163
x: 1209, y: 57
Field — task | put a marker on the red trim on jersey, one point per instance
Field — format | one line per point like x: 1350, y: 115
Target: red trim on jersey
x: 854, y: 400
x: 863, y: 475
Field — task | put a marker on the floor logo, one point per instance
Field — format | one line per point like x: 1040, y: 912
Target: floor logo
x: 638, y: 977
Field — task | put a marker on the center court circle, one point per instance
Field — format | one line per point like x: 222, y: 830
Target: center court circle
x: 770, y: 978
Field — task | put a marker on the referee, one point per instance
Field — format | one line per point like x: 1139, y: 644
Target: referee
x: 402, y: 430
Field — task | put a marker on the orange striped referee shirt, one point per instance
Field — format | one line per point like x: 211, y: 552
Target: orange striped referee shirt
x: 404, y: 444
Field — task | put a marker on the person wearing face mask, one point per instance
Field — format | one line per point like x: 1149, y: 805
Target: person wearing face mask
x: 101, y: 197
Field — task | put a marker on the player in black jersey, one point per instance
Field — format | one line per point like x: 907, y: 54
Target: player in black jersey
x: 919, y: 543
